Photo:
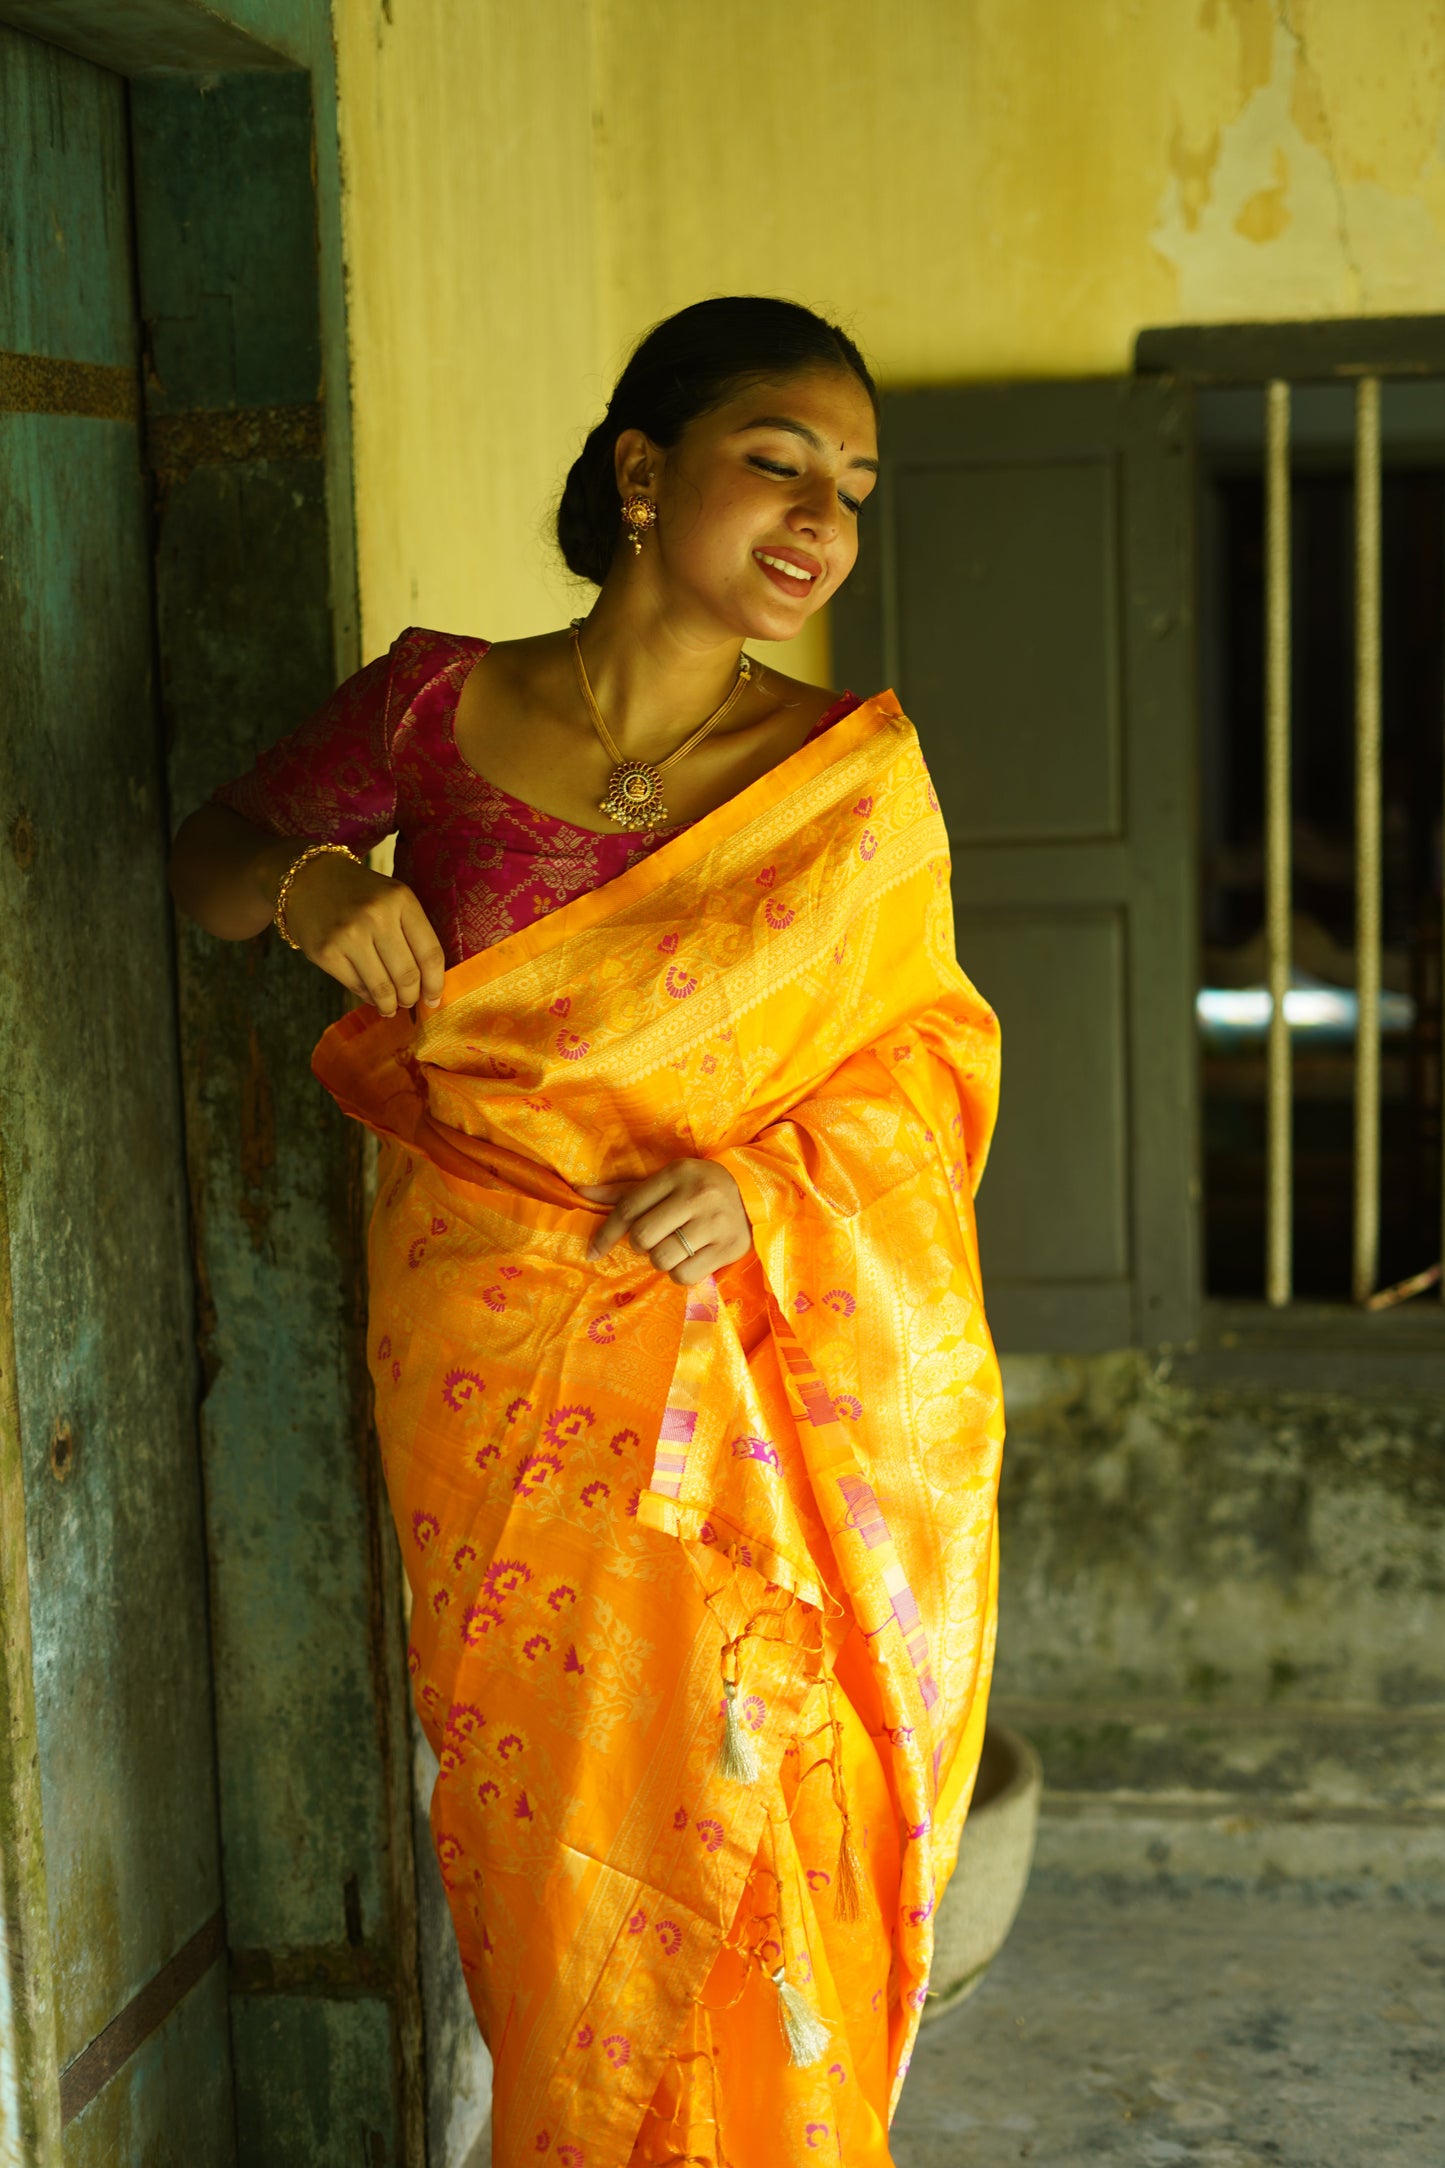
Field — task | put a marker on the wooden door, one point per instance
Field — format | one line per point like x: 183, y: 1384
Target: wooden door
x: 113, y: 2001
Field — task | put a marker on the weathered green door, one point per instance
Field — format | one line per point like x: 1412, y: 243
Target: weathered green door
x: 114, y: 2040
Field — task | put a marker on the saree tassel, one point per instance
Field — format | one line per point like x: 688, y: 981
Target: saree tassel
x: 737, y: 1757
x: 807, y: 2036
x: 848, y: 1880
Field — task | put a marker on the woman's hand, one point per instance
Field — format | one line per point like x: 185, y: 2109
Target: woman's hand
x: 368, y: 931
x: 695, y: 1195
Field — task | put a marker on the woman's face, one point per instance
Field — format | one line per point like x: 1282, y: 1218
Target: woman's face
x: 758, y: 502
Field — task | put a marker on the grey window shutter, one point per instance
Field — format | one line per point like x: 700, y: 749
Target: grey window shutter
x: 1026, y: 587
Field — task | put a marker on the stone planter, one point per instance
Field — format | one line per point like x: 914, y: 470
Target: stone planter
x: 981, y: 1901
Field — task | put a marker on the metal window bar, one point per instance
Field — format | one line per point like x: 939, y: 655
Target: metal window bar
x: 1279, y: 1262
x: 1367, y: 838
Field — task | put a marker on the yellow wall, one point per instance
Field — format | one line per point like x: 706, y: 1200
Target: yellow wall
x: 977, y: 187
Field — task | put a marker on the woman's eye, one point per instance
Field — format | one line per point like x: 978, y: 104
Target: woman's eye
x: 854, y: 504
x: 769, y: 466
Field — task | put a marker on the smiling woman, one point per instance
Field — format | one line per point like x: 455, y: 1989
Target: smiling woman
x: 687, y: 1406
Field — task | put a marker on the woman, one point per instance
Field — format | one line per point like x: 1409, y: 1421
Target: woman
x: 687, y: 1406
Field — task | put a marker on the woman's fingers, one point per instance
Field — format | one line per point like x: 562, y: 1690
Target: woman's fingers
x: 628, y: 1209
x: 400, y: 966
x: 425, y: 947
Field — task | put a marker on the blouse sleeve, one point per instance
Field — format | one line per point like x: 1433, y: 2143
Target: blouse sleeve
x: 332, y: 776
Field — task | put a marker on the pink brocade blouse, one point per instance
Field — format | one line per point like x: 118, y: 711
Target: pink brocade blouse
x: 380, y: 756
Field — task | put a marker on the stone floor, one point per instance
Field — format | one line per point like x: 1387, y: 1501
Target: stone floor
x: 1211, y: 2031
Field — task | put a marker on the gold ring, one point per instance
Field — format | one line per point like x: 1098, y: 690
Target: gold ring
x: 679, y: 1236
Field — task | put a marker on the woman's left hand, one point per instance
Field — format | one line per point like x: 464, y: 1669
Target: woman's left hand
x: 695, y: 1195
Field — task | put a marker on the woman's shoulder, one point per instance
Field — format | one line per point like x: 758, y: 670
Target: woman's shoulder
x: 809, y: 708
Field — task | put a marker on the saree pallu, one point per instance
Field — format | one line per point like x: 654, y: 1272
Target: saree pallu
x: 703, y: 1579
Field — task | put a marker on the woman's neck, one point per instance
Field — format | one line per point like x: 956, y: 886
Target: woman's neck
x: 651, y: 673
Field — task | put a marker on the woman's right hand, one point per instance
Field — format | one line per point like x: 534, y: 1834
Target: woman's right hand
x: 366, y: 930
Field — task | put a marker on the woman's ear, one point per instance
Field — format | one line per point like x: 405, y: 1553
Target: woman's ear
x: 636, y: 461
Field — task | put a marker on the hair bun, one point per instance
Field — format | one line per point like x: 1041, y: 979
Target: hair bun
x: 589, y: 513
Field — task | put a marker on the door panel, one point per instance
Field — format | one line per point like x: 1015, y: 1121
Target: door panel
x: 1030, y: 598
x: 90, y: 1130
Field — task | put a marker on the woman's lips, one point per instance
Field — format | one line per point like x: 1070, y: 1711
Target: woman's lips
x: 789, y: 570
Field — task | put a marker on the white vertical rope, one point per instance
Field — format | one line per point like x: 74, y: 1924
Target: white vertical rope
x: 1279, y: 1256
x: 1367, y: 837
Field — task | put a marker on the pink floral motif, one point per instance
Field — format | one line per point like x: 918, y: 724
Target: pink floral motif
x: 917, y: 1914
x: 571, y: 2156
x: 623, y: 1437
x: 505, y: 1576
x: 667, y: 946
x: 383, y: 1351
x: 766, y: 878
x: 754, y: 1712
x: 632, y: 1504
x: 845, y: 1404
x: 490, y: 1451
x: 488, y: 1789
x: 519, y: 1406
x: 424, y: 1526
x: 932, y: 796
x: 531, y: 1646
x: 562, y: 1006
x: 709, y: 1063
x: 441, y: 1598
x: 836, y: 2070
x: 556, y: 1596
x: 602, y: 1331
x: 801, y: 1303
x: 413, y: 1660
x: 510, y: 1272
x: 816, y: 2133
x: 637, y: 1922
x: 416, y: 1252
x: 863, y: 808
x: 707, y: 1533
x: 867, y: 844
x: 465, y: 1554
x: 669, y: 1934
x: 956, y: 1175
x: 817, y: 1879
x: 534, y: 1471
x: 921, y: 1829
x: 449, y: 1851
x: 839, y: 1299
x: 679, y: 983
x: 565, y: 1425
x: 679, y: 1820
x: 618, y: 2050
x: 396, y: 1373
x: 542, y: 2141
x: 572, y: 1046
x: 591, y: 1491
x: 522, y: 1812
x: 623, y: 1296
x: 712, y: 1834
x: 838, y: 953
x: 458, y: 1387
x: 586, y: 2037
x: 572, y: 1661
x: 778, y: 915
x: 438, y: 1226
x: 494, y: 1299
x: 477, y: 1622
x: 755, y: 1449
x: 449, y: 1761
x: 464, y: 1718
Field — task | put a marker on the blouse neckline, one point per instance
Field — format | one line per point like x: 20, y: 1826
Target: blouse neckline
x: 534, y: 816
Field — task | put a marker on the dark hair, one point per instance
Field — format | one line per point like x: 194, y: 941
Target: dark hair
x: 684, y: 367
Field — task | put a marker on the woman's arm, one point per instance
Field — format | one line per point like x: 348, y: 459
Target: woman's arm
x: 367, y: 931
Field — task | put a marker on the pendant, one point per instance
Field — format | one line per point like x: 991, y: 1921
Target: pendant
x: 634, y: 796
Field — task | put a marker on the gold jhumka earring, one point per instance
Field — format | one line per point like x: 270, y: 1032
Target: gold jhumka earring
x: 639, y: 513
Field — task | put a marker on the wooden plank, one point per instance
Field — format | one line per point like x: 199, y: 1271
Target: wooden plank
x: 90, y: 1113
x: 310, y: 1685
x: 143, y: 36
x: 1343, y: 346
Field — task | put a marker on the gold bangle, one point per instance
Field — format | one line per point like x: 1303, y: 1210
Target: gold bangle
x: 312, y: 850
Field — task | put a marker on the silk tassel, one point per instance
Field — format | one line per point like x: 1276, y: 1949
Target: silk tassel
x: 737, y: 1758
x: 807, y: 2036
x: 848, y: 1881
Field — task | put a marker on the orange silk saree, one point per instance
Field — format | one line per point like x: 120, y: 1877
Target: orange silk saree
x: 703, y: 1579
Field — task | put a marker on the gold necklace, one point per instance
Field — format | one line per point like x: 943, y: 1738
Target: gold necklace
x: 634, y: 788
